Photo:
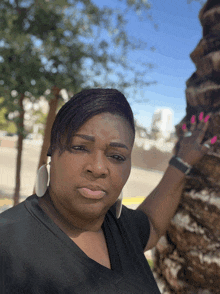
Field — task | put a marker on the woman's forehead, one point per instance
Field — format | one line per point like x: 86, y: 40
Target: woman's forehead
x: 109, y: 126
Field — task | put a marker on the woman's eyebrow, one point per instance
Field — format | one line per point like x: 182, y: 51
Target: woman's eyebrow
x: 119, y: 145
x: 92, y: 139
x: 86, y: 137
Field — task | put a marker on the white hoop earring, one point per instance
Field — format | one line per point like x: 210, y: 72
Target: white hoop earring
x: 41, y: 181
x: 119, y: 205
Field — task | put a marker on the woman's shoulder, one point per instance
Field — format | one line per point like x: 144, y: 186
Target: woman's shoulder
x: 17, y: 226
x: 16, y: 213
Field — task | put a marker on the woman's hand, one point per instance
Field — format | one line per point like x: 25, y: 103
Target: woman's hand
x: 190, y: 148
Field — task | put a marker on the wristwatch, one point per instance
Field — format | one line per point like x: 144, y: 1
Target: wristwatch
x: 178, y: 163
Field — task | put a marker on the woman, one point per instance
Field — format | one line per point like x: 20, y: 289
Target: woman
x: 75, y: 236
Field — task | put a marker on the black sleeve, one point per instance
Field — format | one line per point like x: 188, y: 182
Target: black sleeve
x: 139, y: 224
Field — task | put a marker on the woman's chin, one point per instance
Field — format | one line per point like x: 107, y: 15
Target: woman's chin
x: 91, y: 210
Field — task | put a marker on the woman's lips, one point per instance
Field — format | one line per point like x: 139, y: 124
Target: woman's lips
x: 87, y: 193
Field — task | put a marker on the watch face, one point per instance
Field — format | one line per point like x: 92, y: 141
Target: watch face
x: 179, y: 165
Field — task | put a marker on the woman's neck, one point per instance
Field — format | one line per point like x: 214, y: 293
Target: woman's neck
x: 64, y: 223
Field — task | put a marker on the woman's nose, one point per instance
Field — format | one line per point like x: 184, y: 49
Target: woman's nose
x: 98, y: 165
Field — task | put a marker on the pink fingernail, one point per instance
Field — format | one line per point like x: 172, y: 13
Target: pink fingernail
x: 183, y: 127
x: 213, y: 140
x: 206, y: 118
x: 201, y: 116
x: 193, y: 119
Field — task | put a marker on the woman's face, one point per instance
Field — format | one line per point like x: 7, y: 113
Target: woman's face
x: 99, y: 160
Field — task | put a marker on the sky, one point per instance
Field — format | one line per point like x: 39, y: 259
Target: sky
x: 177, y: 36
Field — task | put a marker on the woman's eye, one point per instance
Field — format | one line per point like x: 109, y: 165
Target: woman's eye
x: 119, y: 158
x: 80, y: 148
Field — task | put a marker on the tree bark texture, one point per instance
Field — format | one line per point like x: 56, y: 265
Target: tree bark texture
x: 187, y: 258
x: 19, y: 150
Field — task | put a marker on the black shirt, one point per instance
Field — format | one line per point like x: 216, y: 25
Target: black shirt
x: 37, y: 257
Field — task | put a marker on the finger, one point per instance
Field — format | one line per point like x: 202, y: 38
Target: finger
x: 184, y: 128
x: 205, y: 147
x: 186, y: 132
x: 193, y: 123
x: 208, y: 143
x: 201, y: 116
x: 202, y: 130
x: 214, y: 140
x: 207, y: 117
x: 203, y: 126
x: 203, y: 119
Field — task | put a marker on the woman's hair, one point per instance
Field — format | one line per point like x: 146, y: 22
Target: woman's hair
x: 83, y: 106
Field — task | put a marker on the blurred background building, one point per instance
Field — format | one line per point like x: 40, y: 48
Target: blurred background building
x: 161, y: 135
x: 162, y: 123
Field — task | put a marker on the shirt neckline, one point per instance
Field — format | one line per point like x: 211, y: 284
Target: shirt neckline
x: 32, y: 205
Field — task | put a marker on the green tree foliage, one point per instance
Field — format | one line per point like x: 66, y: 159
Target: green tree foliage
x: 41, y: 117
x: 8, y: 126
x: 3, y: 111
x: 71, y: 44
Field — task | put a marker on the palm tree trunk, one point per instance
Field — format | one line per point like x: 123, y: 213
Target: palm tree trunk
x: 19, y: 150
x: 187, y: 258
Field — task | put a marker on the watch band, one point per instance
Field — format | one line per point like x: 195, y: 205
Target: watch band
x: 180, y: 164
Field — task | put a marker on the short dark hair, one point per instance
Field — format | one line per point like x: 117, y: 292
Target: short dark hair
x: 83, y: 106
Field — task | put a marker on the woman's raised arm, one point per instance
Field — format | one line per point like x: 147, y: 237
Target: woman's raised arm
x: 160, y: 206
